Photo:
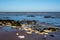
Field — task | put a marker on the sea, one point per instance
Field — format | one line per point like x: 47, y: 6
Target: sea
x: 52, y: 18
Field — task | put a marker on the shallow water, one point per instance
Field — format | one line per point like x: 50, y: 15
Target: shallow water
x: 37, y: 16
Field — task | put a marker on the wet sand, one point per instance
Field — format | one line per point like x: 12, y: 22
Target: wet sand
x: 11, y: 35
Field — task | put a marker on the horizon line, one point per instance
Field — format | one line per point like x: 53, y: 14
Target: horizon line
x: 46, y: 11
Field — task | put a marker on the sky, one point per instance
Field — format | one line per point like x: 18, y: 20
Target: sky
x: 29, y: 5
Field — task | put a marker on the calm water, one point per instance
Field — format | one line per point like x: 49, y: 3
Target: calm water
x: 30, y: 13
x: 37, y: 16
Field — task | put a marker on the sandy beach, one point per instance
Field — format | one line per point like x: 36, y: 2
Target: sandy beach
x: 11, y: 35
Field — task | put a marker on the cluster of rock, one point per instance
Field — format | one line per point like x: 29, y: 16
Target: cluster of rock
x: 27, y: 24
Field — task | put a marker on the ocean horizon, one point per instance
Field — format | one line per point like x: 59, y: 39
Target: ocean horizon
x: 30, y: 13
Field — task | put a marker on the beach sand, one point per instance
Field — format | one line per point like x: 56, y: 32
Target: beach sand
x: 11, y: 35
